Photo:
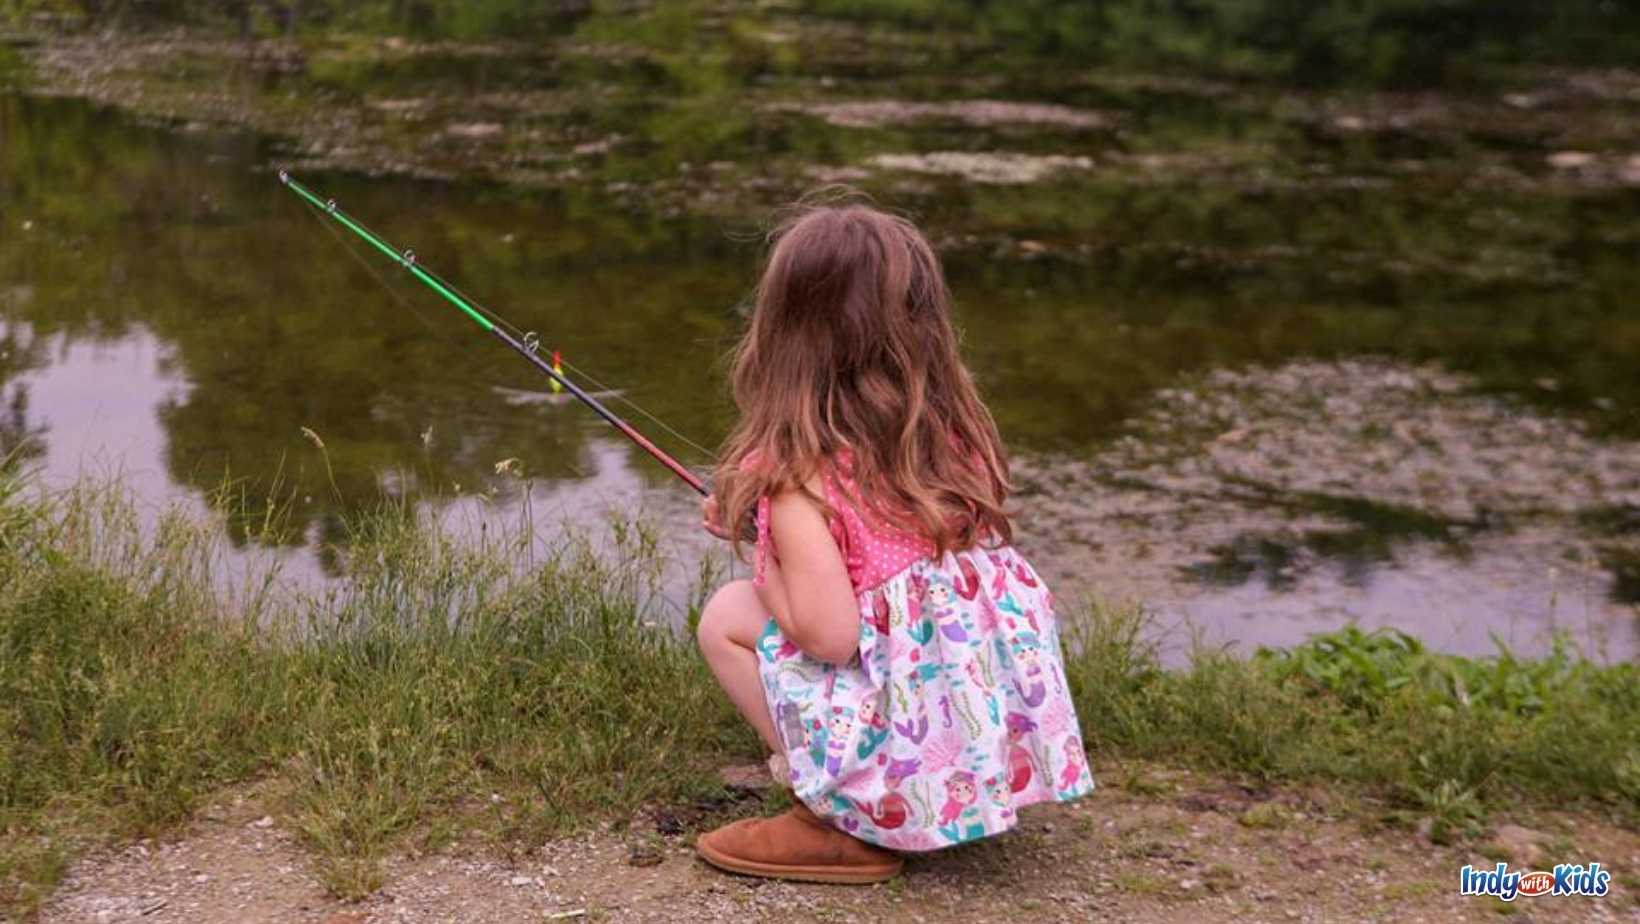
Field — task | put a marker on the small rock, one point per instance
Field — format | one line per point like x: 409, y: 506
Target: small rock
x: 1629, y: 173
x: 266, y: 821
x: 1522, y: 846
x: 1188, y: 884
x: 1570, y: 160
x: 999, y: 167
x: 827, y: 174
x: 753, y: 777
x: 521, y: 880
x: 474, y: 129
x: 1349, y: 123
x: 668, y: 824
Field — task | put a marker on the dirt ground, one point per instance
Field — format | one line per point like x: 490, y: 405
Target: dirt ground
x: 1153, y: 845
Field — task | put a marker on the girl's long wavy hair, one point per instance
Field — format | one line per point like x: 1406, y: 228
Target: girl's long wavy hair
x: 851, y: 347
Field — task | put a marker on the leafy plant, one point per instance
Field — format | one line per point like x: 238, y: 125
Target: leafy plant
x: 1452, y: 811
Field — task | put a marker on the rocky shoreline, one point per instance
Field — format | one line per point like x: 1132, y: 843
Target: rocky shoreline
x: 581, y: 116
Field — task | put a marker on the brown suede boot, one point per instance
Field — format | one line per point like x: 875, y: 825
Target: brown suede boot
x: 797, y: 846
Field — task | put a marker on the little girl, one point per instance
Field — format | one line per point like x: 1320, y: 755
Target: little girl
x: 893, y: 650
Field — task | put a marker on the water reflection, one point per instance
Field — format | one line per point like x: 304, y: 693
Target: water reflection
x: 102, y: 399
x: 171, y: 314
x: 274, y: 328
x: 110, y: 405
x: 20, y: 439
x: 1524, y: 599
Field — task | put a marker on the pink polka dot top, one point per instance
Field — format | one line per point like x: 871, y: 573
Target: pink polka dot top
x: 873, y: 550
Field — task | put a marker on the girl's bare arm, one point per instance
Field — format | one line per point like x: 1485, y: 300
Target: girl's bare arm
x: 808, y: 590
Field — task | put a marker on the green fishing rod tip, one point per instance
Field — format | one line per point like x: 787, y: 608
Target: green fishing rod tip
x: 406, y: 259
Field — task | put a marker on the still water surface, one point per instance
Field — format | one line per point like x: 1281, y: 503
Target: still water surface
x: 1202, y: 437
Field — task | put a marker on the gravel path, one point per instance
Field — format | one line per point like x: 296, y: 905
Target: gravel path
x: 1164, y: 846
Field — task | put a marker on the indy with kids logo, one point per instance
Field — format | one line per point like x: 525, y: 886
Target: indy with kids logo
x: 1566, y: 879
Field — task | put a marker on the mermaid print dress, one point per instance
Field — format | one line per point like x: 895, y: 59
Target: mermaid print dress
x: 955, y: 712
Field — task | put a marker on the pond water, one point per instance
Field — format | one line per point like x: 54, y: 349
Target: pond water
x: 1262, y: 408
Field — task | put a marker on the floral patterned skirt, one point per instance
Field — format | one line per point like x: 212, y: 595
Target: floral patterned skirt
x: 955, y: 714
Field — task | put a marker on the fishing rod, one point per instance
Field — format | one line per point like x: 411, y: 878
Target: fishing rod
x: 527, y: 348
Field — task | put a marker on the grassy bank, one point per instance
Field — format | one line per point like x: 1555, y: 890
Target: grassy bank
x: 439, y: 687
x: 403, y: 698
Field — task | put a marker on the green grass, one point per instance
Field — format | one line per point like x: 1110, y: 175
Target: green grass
x: 436, y: 674
x: 135, y: 682
x: 1438, y: 736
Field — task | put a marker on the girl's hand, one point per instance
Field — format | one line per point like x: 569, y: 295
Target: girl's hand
x: 709, y: 518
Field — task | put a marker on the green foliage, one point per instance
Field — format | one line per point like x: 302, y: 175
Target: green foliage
x: 1453, y: 811
x: 1393, y: 42
x: 1400, y: 42
x: 1365, y: 669
x: 21, y: 10
x: 1039, y: 25
x: 460, y: 19
x: 1441, y: 735
x: 686, y: 56
x: 11, y: 69
x: 466, y: 19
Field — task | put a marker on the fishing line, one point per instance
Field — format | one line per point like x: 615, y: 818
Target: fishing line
x: 605, y: 390
x: 376, y: 275
x: 526, y: 344
x: 527, y: 337
x: 395, y: 292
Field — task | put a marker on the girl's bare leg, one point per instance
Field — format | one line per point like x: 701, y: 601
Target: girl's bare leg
x: 796, y: 844
x: 730, y: 626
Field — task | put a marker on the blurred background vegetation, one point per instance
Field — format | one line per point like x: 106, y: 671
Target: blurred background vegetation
x: 1387, y: 43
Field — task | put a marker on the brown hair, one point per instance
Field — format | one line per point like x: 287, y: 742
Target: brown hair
x: 851, y: 347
